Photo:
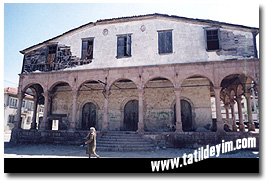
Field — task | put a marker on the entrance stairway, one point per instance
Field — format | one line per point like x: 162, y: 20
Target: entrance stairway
x: 122, y: 141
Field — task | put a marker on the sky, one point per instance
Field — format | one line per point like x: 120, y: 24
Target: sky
x: 28, y: 24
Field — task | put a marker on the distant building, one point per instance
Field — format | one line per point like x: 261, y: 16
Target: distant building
x: 27, y: 111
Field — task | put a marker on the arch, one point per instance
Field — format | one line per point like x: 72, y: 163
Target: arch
x: 31, y: 85
x: 236, y: 73
x: 88, y: 101
x: 161, y: 77
x: 195, y: 75
x: 88, y: 81
x: 50, y: 88
x: 36, y: 100
x: 110, y: 84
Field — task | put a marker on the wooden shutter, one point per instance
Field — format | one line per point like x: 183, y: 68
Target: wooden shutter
x: 120, y: 46
x: 89, y: 53
x: 161, y: 42
x: 168, y: 42
x: 165, y: 42
x: 84, y: 49
x: 128, y: 45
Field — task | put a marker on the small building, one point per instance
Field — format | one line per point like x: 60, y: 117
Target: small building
x: 151, y: 73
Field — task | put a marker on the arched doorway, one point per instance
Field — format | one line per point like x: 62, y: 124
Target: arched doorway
x: 131, y: 116
x: 88, y: 116
x: 186, y: 115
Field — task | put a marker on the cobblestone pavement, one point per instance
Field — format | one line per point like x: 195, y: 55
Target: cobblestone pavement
x: 72, y: 151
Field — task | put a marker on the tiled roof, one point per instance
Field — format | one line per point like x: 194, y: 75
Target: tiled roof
x: 14, y: 91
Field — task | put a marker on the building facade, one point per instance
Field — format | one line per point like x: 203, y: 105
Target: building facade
x: 149, y: 73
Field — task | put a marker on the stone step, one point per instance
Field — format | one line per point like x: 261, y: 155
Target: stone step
x: 124, y: 149
x: 109, y: 138
x: 124, y: 145
x: 121, y: 135
x: 121, y: 132
x: 123, y: 141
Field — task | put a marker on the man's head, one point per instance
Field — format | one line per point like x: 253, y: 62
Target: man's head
x: 92, y: 130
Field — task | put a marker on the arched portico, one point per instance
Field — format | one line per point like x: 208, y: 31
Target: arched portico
x: 33, y: 92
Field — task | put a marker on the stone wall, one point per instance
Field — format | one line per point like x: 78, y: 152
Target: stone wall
x: 158, y: 104
x: 49, y: 136
x: 167, y: 139
x: 196, y: 139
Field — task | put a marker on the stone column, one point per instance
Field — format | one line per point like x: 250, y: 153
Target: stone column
x: 178, y: 111
x: 45, y: 113
x: 140, y: 110
x: 251, y: 126
x: 233, y: 115
x: 220, y: 126
x: 105, y: 120
x: 18, y: 117
x: 74, y: 110
x: 226, y: 106
x: 240, y: 116
x: 33, y: 125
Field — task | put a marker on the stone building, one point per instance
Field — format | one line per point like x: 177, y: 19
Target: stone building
x: 152, y: 73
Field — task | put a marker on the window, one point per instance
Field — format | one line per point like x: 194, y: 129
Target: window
x: 11, y: 118
x: 51, y: 55
x: 87, y: 49
x: 13, y: 102
x: 165, y: 42
x: 31, y: 106
x: 124, y: 46
x: 52, y: 49
x: 29, y: 119
x: 41, y: 110
x: 212, y: 39
x: 23, y: 103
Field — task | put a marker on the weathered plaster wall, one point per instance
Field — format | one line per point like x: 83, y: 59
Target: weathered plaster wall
x: 188, y: 43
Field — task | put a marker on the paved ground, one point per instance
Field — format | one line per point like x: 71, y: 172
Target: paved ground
x: 68, y: 151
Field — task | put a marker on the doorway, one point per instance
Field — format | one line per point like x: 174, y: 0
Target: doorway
x: 186, y: 115
x: 88, y: 116
x: 130, y: 122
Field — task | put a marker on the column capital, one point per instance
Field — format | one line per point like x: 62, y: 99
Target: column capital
x: 217, y: 88
x: 140, y: 90
x: 177, y: 89
x: 75, y: 93
x: 46, y: 93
